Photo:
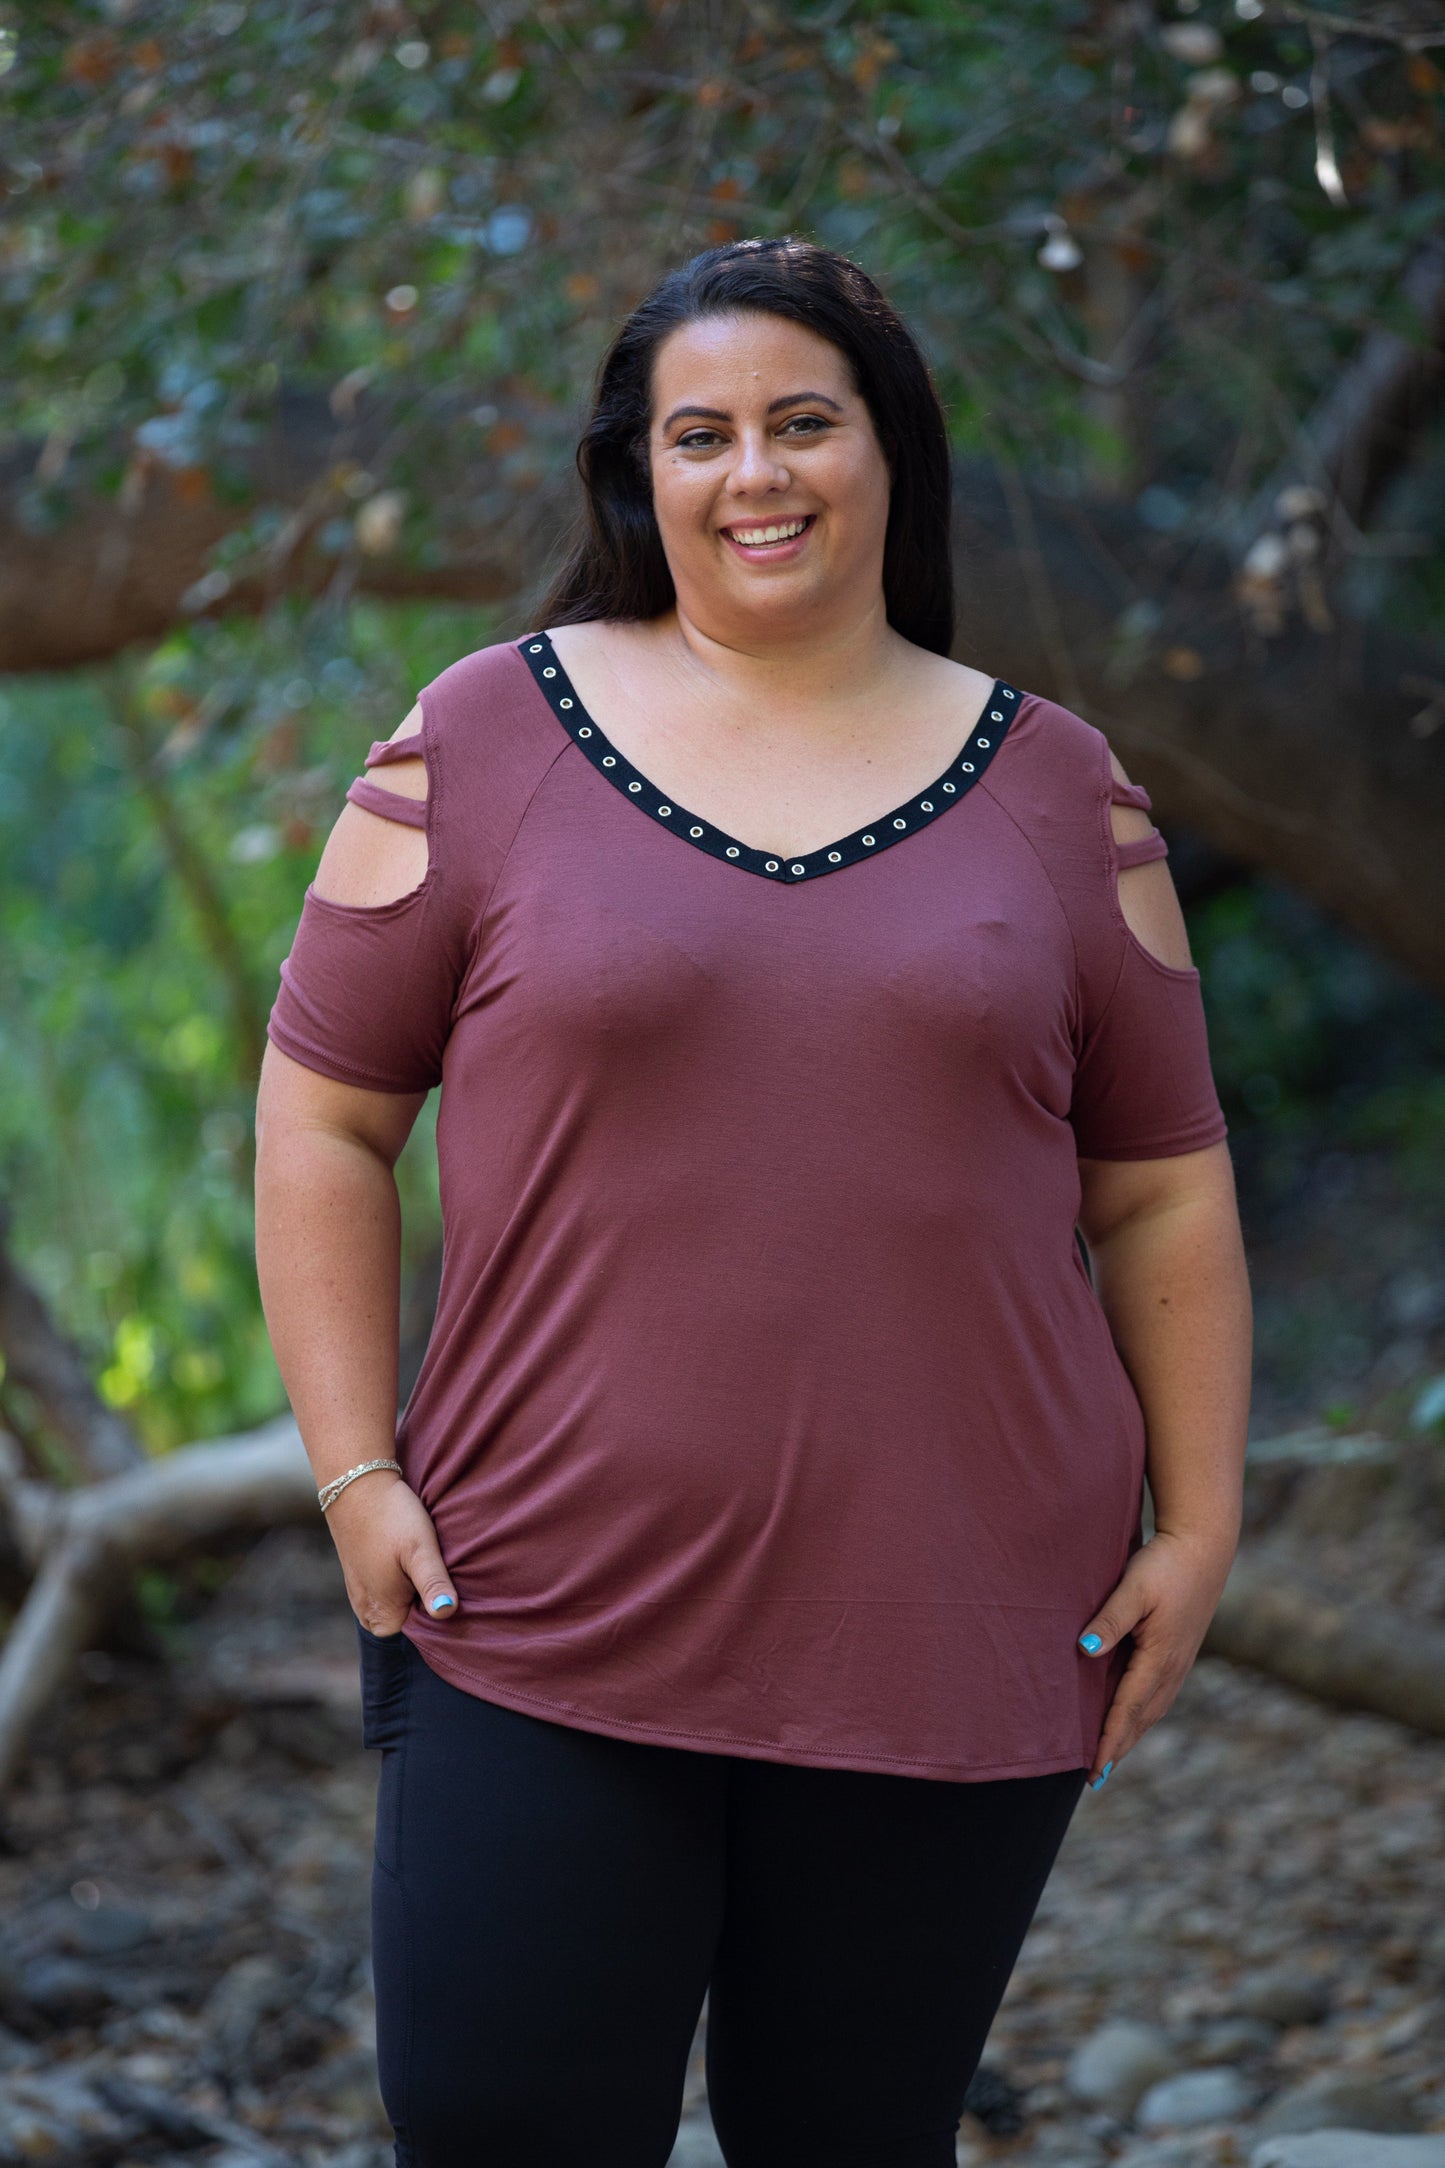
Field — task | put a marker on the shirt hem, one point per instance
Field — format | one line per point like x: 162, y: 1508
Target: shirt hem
x: 329, y: 1065
x: 620, y: 1727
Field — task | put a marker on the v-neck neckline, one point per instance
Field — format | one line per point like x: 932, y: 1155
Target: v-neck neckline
x: 959, y: 777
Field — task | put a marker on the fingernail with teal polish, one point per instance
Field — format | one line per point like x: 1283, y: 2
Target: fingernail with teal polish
x: 442, y: 1603
x: 1091, y: 1642
x: 1102, y: 1778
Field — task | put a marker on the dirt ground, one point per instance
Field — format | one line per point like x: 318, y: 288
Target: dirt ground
x: 1244, y: 1935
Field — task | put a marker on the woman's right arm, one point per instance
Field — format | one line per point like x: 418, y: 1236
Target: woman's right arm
x: 328, y: 1248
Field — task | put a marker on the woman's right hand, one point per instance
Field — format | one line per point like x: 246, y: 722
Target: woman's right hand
x: 389, y: 1553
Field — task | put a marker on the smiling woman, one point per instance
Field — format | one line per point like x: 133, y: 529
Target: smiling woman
x: 772, y: 1488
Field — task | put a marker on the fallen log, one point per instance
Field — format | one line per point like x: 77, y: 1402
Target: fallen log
x: 1277, y: 1618
x: 86, y: 1544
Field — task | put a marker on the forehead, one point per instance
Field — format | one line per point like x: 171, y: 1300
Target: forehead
x: 749, y: 356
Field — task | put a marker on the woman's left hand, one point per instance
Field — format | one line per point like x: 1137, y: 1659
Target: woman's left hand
x: 1166, y: 1598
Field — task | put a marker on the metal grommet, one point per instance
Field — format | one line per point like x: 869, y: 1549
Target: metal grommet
x: 833, y: 857
x: 771, y: 866
x: 926, y: 806
x: 967, y: 767
x: 664, y: 810
x: 797, y: 869
x: 549, y: 671
x: 900, y: 824
x: 583, y: 731
x: 609, y: 760
x: 870, y: 839
x: 694, y: 831
x: 634, y: 786
x: 564, y: 703
x: 732, y: 850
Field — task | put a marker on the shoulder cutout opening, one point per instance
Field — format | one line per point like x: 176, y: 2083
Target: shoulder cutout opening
x: 378, y: 852
x: 1143, y: 891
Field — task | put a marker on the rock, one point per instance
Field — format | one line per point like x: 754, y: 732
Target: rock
x: 106, y: 1931
x: 1196, y: 2096
x: 64, y: 1990
x: 44, y: 2113
x: 1181, y: 2152
x: 1228, y: 2038
x: 1350, y: 2149
x: 248, y: 1992
x: 1285, y: 1995
x: 1334, y: 2099
x: 1117, y: 2064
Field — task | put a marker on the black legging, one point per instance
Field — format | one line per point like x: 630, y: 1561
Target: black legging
x: 549, y: 1907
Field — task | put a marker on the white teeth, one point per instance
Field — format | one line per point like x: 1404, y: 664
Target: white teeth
x: 750, y: 537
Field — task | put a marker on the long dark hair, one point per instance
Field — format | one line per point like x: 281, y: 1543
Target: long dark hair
x: 615, y: 566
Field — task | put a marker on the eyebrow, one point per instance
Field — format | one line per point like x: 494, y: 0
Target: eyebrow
x: 792, y: 398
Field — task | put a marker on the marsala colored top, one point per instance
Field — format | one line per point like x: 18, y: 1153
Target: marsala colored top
x: 769, y: 1409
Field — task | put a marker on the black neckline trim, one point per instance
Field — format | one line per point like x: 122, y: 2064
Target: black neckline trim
x: 962, y: 772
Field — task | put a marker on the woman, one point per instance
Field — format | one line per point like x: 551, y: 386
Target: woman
x: 756, y: 1576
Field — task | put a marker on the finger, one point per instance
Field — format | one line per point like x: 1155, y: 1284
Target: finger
x: 429, y: 1577
x: 1143, y: 1696
x: 1119, y: 1616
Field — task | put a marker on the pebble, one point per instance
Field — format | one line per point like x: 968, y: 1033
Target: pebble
x: 1350, y: 2149
x: 1116, y: 2065
x: 1197, y: 2096
x: 1285, y: 1995
x: 1337, y: 2098
x: 1194, y: 2151
x: 1230, y: 2038
x: 1247, y: 1919
x: 107, y: 1931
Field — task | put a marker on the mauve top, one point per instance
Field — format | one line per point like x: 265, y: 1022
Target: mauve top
x: 768, y: 1409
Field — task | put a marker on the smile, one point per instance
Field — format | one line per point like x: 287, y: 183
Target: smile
x: 771, y: 538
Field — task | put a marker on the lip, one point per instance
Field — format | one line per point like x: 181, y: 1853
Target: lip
x: 771, y: 553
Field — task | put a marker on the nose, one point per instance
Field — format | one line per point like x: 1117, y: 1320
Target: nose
x: 756, y: 469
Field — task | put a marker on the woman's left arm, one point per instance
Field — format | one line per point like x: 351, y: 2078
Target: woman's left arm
x: 1170, y: 1273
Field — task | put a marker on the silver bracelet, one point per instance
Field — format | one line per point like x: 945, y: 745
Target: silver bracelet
x: 332, y: 1490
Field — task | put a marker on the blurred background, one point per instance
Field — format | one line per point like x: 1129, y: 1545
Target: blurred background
x: 299, y: 310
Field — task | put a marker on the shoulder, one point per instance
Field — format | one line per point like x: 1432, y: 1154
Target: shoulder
x: 1053, y: 766
x: 481, y: 680
x: 486, y: 725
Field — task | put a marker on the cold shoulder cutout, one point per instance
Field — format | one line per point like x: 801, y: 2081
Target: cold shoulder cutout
x: 391, y: 805
x: 1139, y: 850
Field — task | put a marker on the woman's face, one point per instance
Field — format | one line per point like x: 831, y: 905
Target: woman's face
x: 757, y: 430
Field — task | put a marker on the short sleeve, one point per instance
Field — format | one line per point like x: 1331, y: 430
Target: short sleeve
x: 1143, y: 1087
x: 368, y: 992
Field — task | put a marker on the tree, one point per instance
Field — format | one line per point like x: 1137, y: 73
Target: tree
x: 309, y: 301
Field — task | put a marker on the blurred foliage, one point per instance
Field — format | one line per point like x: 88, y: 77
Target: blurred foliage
x: 126, y: 1087
x: 1138, y: 249
x: 1315, y: 1040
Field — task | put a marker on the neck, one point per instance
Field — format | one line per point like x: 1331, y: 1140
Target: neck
x: 796, y: 663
